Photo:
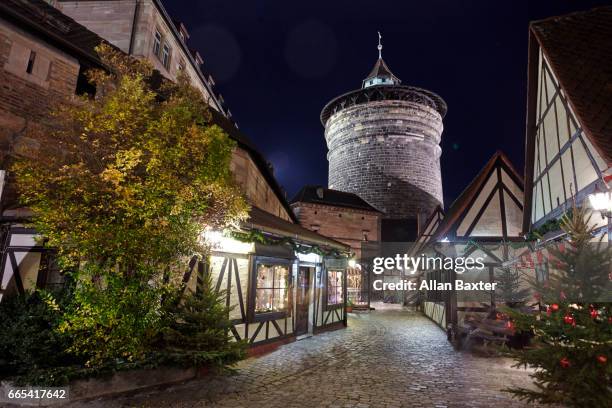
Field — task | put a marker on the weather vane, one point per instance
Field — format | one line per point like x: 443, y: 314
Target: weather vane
x: 379, y: 46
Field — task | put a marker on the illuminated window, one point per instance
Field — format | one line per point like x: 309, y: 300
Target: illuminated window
x: 272, y: 291
x: 335, y: 294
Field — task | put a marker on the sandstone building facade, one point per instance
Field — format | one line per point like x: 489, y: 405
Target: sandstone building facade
x: 144, y: 29
x: 342, y: 216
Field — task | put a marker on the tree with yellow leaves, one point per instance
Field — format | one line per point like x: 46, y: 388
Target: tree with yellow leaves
x: 122, y: 187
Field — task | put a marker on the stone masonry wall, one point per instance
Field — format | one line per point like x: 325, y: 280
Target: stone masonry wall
x: 25, y: 98
x: 347, y: 225
x: 388, y: 153
x: 255, y: 187
x: 113, y: 21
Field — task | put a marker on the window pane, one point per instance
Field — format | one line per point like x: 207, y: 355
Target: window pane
x: 265, y: 276
x: 334, y: 287
x: 157, y: 43
x: 264, y: 300
x: 272, y: 292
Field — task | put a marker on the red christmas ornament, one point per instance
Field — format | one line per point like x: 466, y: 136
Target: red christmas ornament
x: 565, y: 363
x: 548, y: 311
x: 602, y: 359
x: 610, y: 319
x: 569, y: 320
x: 594, y: 313
x: 554, y: 307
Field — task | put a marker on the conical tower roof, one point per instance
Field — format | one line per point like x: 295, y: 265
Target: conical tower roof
x: 380, y: 75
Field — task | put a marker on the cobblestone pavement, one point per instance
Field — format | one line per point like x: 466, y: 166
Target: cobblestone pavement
x: 384, y: 358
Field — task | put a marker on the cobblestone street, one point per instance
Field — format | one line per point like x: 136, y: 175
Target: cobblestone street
x: 386, y: 358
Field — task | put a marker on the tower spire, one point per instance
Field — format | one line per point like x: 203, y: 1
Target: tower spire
x: 379, y: 46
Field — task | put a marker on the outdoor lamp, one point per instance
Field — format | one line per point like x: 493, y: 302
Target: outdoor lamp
x: 602, y: 201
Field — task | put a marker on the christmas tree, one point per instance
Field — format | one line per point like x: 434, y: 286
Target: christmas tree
x: 573, y: 329
x: 510, y: 288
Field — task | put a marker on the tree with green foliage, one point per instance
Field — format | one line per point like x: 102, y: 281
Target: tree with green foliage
x: 29, y: 341
x: 573, y: 330
x: 122, y: 187
x: 510, y: 287
x: 197, y: 330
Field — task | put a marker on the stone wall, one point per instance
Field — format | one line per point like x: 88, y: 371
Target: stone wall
x: 113, y: 21
x: 255, y: 187
x: 347, y: 225
x: 388, y: 153
x: 25, y: 98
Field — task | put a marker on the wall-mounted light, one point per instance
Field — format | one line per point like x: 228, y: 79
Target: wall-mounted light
x: 602, y: 201
x: 219, y: 241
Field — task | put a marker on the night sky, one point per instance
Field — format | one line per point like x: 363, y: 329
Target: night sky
x: 277, y: 63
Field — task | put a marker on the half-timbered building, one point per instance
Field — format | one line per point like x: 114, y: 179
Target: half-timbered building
x: 294, y: 285
x: 569, y: 115
x: 484, y: 221
x: 344, y: 217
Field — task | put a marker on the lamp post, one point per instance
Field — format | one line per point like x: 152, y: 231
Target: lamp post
x: 602, y: 202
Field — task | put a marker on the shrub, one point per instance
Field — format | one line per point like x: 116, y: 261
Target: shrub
x: 197, y: 331
x: 29, y: 340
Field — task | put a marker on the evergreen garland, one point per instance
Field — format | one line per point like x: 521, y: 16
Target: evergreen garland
x: 258, y: 236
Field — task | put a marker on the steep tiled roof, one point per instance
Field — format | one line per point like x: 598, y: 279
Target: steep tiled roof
x: 264, y: 221
x: 326, y: 196
x: 579, y: 49
x: 54, y: 27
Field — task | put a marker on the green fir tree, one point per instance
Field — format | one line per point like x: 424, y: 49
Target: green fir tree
x: 572, y: 331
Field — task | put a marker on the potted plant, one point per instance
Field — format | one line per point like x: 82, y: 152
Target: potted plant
x: 349, y: 306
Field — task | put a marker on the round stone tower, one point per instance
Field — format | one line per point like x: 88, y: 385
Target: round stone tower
x: 384, y: 145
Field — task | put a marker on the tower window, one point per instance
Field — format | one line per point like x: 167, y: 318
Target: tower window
x: 31, y: 60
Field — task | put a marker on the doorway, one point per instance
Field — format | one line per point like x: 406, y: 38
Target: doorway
x: 302, y: 297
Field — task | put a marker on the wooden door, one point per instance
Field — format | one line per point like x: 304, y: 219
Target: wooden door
x: 302, y: 300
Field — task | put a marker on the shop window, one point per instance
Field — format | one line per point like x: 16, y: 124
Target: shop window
x: 335, y: 293
x: 272, y: 288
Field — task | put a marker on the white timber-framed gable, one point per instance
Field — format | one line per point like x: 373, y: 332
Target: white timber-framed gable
x: 566, y: 165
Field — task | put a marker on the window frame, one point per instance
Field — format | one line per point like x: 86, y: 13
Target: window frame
x: 31, y: 62
x: 330, y: 306
x: 166, y: 63
x: 158, y: 39
x: 182, y: 66
x: 252, y: 315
